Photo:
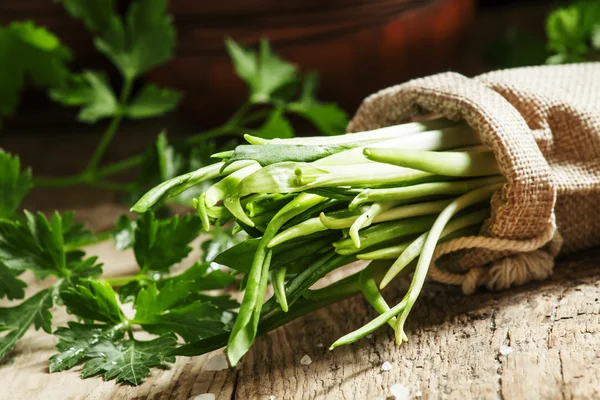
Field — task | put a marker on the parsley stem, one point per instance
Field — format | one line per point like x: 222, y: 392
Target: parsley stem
x: 122, y: 280
x: 93, y: 175
x: 110, y: 132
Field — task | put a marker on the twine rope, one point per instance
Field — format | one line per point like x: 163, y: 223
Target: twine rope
x: 533, y: 260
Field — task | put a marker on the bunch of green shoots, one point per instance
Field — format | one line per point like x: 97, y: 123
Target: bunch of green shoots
x: 313, y: 205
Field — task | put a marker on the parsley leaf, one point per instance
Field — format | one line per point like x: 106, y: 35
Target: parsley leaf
x: 93, y: 300
x: 124, y: 233
x: 146, y: 40
x: 570, y: 30
x: 75, y: 341
x: 14, y: 184
x: 129, y: 361
x: 157, y: 312
x: 276, y: 126
x: 161, y: 243
x: 96, y: 14
x: 265, y: 73
x: 327, y: 117
x: 17, y: 320
x: 151, y: 101
x: 35, y: 55
x: 169, y: 161
x: 11, y: 286
x: 39, y: 244
x: 92, y: 92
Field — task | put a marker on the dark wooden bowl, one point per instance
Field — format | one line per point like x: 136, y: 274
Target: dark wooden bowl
x: 357, y: 46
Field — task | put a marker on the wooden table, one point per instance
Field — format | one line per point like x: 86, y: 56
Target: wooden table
x: 540, y: 341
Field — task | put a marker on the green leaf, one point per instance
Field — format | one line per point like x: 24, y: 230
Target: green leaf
x: 124, y: 234
x: 92, y: 92
x: 11, y: 286
x: 265, y: 73
x: 17, y: 320
x: 38, y: 244
x: 93, y: 300
x: 277, y: 126
x: 14, y: 184
x: 570, y: 31
x: 596, y: 36
x: 145, y: 41
x: 75, y: 342
x: 327, y: 117
x: 36, y: 56
x: 157, y: 312
x: 169, y: 161
x: 244, y: 61
x: 161, y: 243
x: 202, y: 276
x: 96, y: 14
x: 221, y: 240
x: 74, y: 233
x: 152, y: 101
x: 129, y: 361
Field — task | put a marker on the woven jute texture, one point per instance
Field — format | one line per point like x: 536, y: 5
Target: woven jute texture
x: 543, y: 124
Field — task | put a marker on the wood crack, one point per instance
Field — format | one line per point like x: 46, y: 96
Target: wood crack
x: 235, y: 385
x: 562, y: 376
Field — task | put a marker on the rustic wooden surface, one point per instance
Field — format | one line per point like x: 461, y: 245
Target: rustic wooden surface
x: 538, y: 341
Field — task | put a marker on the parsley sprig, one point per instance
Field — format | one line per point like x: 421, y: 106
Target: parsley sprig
x: 172, y: 307
x: 572, y: 35
x: 139, y: 41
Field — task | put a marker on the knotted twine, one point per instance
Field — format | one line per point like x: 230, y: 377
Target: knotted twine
x: 543, y: 124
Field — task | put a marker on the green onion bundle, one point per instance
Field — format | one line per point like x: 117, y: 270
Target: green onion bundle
x: 312, y: 205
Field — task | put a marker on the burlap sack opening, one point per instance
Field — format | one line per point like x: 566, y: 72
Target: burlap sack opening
x: 543, y: 124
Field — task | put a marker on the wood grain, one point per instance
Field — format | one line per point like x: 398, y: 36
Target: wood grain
x: 552, y: 328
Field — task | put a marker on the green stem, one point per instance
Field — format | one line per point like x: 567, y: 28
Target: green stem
x: 119, y: 166
x: 110, y: 132
x: 341, y: 290
x: 122, y: 280
x: 91, y: 179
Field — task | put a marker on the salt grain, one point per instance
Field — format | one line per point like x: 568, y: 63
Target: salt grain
x: 369, y: 336
x: 205, y: 396
x: 505, y: 350
x: 386, y: 366
x: 305, y: 360
x: 399, y: 391
x: 418, y: 393
x: 217, y: 363
x: 320, y: 344
x: 271, y: 397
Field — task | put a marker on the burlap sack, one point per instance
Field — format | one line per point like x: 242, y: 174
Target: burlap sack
x: 543, y: 124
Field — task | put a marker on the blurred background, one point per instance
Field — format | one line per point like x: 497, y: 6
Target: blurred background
x: 357, y: 47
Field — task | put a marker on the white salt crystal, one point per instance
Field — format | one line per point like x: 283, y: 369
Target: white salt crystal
x: 399, y: 391
x: 271, y: 397
x: 320, y: 344
x: 369, y: 336
x: 205, y: 396
x: 505, y: 350
x: 305, y: 360
x: 217, y: 363
x: 418, y: 393
x: 386, y: 366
